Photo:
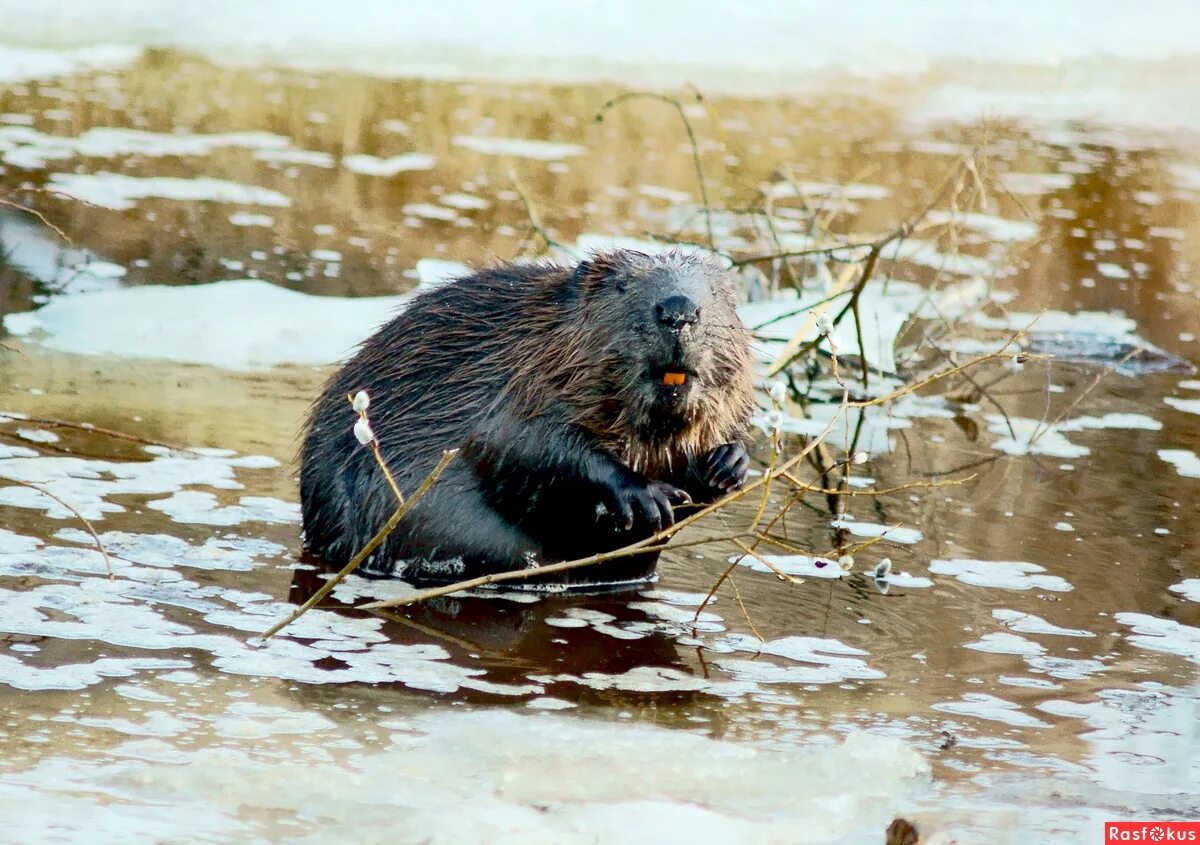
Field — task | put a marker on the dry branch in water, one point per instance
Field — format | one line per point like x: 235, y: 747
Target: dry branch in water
x: 781, y: 480
x: 86, y: 522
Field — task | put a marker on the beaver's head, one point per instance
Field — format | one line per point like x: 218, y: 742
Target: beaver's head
x: 661, y: 341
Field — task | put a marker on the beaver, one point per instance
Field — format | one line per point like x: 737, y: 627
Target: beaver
x: 586, y: 401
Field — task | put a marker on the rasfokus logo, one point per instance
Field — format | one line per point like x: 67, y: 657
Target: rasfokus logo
x: 1152, y: 832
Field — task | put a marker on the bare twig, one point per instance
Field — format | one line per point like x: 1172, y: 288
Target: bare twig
x: 691, y: 133
x: 7, y: 203
x: 366, y: 550
x: 94, y: 429
x: 86, y: 522
x: 591, y: 560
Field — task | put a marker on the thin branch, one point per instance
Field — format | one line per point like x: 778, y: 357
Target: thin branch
x: 366, y: 550
x: 94, y: 429
x: 591, y: 560
x: 86, y: 523
x: 691, y: 133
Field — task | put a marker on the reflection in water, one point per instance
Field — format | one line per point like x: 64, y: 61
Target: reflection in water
x: 1040, y: 616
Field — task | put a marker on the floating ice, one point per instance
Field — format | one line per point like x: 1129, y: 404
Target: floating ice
x: 1027, y: 623
x: 90, y: 484
x: 237, y: 325
x: 429, y: 211
x: 1188, y: 406
x: 805, y: 566
x: 246, y: 218
x: 892, y: 533
x: 1165, y: 635
x: 654, y: 679
x: 118, y: 191
x: 32, y: 149
x: 584, y: 781
x: 886, y: 307
x: 433, y: 272
x: 464, y: 202
x: 21, y: 64
x: 1186, y: 463
x: 29, y: 247
x: 368, y: 165
x: 1032, y: 184
x: 1141, y: 736
x: 1189, y: 589
x: 1001, y: 574
x: 827, y: 661
x: 1002, y: 643
x: 994, y: 228
x: 992, y: 708
x: 1043, y: 438
x: 847, y: 191
x: 518, y: 147
x: 230, y: 553
x: 583, y: 617
x: 74, y: 676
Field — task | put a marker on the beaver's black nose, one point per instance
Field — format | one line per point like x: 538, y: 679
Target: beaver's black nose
x: 677, y: 311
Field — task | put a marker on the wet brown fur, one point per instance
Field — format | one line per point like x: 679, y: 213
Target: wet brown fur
x: 534, y: 343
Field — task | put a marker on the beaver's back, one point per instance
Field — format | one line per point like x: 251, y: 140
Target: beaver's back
x: 432, y: 373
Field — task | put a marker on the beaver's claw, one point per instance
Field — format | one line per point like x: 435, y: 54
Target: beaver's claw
x: 724, y: 469
x: 648, y: 504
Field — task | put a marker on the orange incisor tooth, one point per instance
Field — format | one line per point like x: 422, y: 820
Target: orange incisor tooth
x: 674, y: 379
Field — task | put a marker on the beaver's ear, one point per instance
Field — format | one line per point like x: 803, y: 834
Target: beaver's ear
x: 601, y: 270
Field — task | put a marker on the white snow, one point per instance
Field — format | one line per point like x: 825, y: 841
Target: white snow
x: 237, y: 325
x: 21, y: 64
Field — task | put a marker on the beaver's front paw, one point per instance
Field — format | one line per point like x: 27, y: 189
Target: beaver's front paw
x: 724, y: 469
x: 635, y: 501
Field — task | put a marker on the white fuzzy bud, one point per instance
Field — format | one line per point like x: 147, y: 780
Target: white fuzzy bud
x: 362, y: 430
x: 362, y: 401
x: 883, y: 569
x: 775, y: 421
x: 846, y: 562
x: 823, y: 324
x: 778, y: 392
x: 860, y: 458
